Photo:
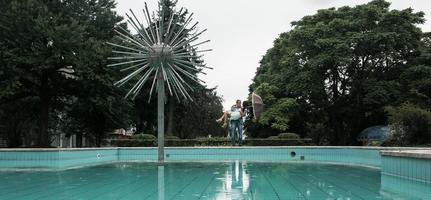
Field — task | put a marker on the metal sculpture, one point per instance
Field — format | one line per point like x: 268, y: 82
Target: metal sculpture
x: 164, y: 51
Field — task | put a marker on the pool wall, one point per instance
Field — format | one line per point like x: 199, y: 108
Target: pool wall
x: 416, y: 169
x: 69, y: 158
x: 407, y: 171
x: 369, y: 157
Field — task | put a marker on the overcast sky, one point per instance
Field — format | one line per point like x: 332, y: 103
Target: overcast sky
x: 241, y: 31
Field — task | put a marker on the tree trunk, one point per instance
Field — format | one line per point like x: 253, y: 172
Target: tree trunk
x: 170, y: 126
x: 43, y: 139
x: 140, y: 124
x: 100, y: 130
x: 79, y: 139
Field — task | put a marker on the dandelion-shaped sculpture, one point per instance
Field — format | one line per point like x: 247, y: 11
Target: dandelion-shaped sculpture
x: 162, y: 52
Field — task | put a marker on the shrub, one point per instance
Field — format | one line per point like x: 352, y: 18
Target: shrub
x: 411, y: 125
x: 319, y: 133
x: 288, y: 136
x: 180, y: 143
x: 374, y: 143
x: 133, y: 143
x: 171, y: 137
x: 214, y: 141
x: 211, y: 142
x: 277, y: 142
x: 142, y: 136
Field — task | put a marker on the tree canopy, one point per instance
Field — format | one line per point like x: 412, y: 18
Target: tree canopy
x: 334, y: 73
x: 54, y: 77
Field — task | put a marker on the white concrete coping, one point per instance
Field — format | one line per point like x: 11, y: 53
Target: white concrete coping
x: 422, y: 154
x: 395, y: 149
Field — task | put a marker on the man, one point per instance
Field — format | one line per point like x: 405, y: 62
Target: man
x: 235, y: 122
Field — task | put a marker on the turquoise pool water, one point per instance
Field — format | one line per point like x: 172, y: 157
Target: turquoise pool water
x: 199, y: 180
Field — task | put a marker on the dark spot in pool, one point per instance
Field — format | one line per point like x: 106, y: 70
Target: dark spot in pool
x: 292, y: 154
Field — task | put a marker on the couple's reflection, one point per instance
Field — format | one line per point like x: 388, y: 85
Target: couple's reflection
x: 240, y: 177
x: 229, y: 182
x: 236, y: 181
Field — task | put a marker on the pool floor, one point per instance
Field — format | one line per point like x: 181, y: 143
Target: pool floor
x: 188, y: 181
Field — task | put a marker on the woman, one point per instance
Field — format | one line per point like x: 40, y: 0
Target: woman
x: 234, y: 115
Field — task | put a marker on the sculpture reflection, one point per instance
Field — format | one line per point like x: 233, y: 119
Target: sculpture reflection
x: 161, y: 182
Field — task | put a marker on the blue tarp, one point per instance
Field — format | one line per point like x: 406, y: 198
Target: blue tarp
x: 374, y: 133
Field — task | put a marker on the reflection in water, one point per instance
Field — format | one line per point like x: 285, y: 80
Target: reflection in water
x: 242, y: 180
x: 407, y: 188
x: 161, y: 182
x: 236, y: 181
x: 232, y: 184
x: 212, y: 180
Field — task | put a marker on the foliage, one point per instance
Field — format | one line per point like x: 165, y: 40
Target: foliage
x: 171, y: 137
x: 18, y: 124
x: 319, y: 133
x: 40, y: 44
x: 277, y: 142
x: 288, y: 136
x: 183, y: 119
x: 133, y: 143
x: 276, y: 117
x: 54, y: 55
x: 142, y: 136
x: 54, y: 78
x: 375, y: 143
x: 197, y: 118
x: 334, y: 73
x: 217, y: 141
x: 411, y: 125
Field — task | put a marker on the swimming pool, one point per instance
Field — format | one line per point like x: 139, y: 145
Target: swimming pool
x: 213, y: 173
x: 205, y: 180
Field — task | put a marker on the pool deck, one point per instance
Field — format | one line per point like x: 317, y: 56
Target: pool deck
x: 388, y: 149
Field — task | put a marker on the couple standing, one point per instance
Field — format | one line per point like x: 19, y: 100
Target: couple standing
x: 233, y: 118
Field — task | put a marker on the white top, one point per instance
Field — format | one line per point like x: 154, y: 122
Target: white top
x: 235, y: 113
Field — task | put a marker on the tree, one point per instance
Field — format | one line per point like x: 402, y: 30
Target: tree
x: 99, y: 108
x: 416, y: 80
x: 54, y: 57
x: 411, y: 125
x: 278, y: 114
x: 197, y: 118
x: 342, y: 68
x: 183, y: 119
x: 54, y: 77
x: 40, y: 45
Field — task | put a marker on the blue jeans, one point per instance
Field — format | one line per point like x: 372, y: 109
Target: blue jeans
x: 236, y: 131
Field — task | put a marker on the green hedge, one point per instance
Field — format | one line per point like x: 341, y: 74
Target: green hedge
x: 209, y: 142
x: 288, y: 136
x: 278, y: 142
x: 171, y: 137
x: 142, y: 136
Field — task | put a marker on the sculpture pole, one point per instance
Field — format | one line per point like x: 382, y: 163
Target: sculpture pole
x: 160, y: 117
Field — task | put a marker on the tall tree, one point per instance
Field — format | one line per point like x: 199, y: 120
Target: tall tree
x: 342, y: 67
x: 197, y: 118
x: 182, y: 117
x: 40, y: 45
x: 99, y: 108
x: 54, y: 54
